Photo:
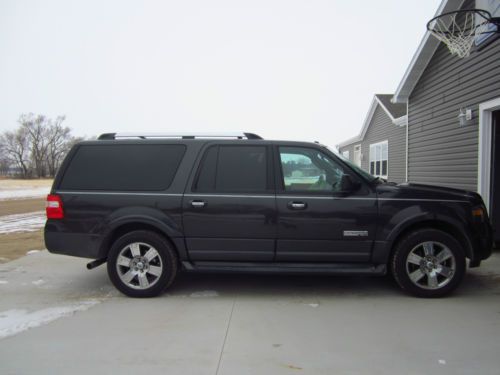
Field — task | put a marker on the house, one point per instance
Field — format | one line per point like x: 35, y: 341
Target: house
x: 443, y: 149
x: 380, y: 148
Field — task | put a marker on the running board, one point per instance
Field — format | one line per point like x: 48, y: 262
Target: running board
x: 287, y: 268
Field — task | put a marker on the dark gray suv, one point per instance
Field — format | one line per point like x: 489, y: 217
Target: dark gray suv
x: 153, y: 205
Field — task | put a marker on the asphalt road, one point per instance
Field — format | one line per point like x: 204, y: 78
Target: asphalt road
x: 58, y: 318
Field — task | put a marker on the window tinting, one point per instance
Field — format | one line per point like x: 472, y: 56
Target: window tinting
x: 208, y: 168
x: 307, y: 169
x: 241, y: 168
x: 123, y: 167
x: 233, y: 169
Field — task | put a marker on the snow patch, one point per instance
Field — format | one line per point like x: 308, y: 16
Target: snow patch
x: 313, y: 304
x: 3, y: 282
x: 15, y: 321
x: 204, y: 293
x: 442, y: 362
x: 29, y: 222
x: 33, y: 252
x: 38, y: 282
x: 23, y: 193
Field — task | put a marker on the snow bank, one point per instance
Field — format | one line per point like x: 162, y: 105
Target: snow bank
x: 23, y: 193
x: 22, y: 222
x: 15, y: 321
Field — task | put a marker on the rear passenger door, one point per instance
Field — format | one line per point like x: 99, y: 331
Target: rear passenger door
x: 229, y: 208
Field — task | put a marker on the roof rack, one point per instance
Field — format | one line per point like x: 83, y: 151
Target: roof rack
x: 237, y: 135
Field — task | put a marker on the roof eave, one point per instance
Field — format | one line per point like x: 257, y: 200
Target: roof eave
x: 422, y: 56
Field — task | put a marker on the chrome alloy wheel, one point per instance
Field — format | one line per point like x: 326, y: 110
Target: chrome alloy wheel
x: 430, y: 265
x: 139, y: 265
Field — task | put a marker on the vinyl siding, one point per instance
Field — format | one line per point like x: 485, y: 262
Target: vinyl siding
x: 380, y: 129
x: 440, y: 152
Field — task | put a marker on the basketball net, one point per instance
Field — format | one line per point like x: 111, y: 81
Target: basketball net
x: 458, y: 30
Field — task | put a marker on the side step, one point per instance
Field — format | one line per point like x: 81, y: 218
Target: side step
x: 287, y: 268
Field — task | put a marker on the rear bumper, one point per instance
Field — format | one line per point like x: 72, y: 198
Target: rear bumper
x: 75, y: 244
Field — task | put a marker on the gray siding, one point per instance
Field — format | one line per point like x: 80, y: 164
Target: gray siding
x: 440, y: 152
x: 380, y: 129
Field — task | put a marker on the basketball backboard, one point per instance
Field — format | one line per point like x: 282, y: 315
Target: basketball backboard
x: 493, y: 7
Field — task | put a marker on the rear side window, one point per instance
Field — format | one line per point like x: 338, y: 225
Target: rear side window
x: 123, y: 167
x: 234, y: 169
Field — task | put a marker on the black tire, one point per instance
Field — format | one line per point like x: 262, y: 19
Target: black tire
x: 164, y: 263
x: 430, y: 275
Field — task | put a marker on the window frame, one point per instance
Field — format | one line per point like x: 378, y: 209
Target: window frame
x: 280, y: 179
x: 373, y: 158
x: 346, y: 152
x: 270, y: 180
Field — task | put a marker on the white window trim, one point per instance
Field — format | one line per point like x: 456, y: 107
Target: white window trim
x: 370, y: 159
x: 358, y: 146
x: 346, y: 155
x: 485, y: 139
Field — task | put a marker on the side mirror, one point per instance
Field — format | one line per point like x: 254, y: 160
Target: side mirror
x: 347, y: 184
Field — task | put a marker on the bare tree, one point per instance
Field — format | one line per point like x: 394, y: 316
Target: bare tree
x: 38, y: 146
x: 58, y: 140
x: 16, y: 148
x: 36, y: 127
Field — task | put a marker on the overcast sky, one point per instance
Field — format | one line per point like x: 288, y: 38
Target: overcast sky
x: 302, y: 70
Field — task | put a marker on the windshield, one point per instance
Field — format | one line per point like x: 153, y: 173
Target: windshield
x: 362, y: 172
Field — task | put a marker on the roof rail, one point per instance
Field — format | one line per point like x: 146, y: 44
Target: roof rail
x: 237, y: 135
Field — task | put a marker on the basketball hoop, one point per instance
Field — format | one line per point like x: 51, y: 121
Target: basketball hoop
x: 459, y: 29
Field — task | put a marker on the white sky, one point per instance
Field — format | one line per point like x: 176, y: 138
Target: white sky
x: 301, y: 70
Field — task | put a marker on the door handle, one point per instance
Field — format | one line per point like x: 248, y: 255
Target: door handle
x: 198, y: 204
x: 297, y: 205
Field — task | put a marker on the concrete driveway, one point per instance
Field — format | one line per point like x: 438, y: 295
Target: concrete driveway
x: 58, y: 318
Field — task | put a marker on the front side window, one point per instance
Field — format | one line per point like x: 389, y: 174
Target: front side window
x: 379, y: 159
x: 233, y: 169
x: 306, y: 169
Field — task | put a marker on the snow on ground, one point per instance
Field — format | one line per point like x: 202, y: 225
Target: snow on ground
x: 23, y: 193
x: 15, y: 321
x: 29, y: 222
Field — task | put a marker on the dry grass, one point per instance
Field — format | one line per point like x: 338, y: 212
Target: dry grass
x: 21, y: 206
x: 15, y: 245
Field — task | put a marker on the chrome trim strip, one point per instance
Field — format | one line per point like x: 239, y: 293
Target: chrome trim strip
x: 231, y: 196
x: 258, y: 196
x: 421, y: 200
x: 115, y: 193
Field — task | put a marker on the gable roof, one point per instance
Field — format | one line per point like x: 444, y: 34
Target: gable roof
x: 395, y: 111
x: 422, y: 56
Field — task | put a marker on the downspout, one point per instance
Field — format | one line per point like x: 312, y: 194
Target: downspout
x: 407, y: 132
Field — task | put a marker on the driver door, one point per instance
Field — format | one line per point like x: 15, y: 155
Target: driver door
x: 317, y: 222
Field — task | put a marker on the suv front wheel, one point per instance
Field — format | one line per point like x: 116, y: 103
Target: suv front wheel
x: 428, y: 263
x: 142, y: 264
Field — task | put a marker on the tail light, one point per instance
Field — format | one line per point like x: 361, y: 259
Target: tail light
x: 54, y: 207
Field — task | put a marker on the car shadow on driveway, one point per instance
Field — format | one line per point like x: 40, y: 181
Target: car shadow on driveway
x: 251, y: 285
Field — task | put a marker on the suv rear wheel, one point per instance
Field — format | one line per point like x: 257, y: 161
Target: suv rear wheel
x: 428, y: 263
x: 142, y: 264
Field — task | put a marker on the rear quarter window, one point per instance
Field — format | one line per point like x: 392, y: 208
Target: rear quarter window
x: 123, y: 167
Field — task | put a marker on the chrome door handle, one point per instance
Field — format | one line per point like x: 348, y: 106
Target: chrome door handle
x: 297, y: 205
x: 198, y: 204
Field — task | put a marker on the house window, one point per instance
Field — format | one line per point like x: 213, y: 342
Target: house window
x: 379, y: 155
x: 345, y: 154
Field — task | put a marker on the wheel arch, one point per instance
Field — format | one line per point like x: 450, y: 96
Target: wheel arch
x: 124, y: 227
x: 441, y: 225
